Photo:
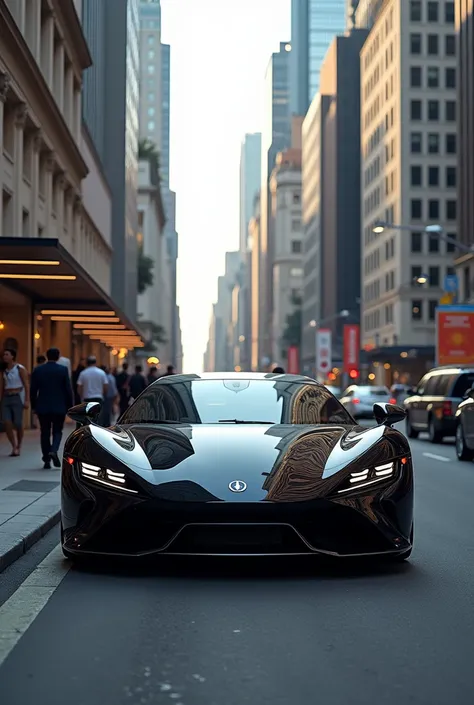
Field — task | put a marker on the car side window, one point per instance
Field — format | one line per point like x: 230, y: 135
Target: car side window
x: 422, y: 385
x: 430, y: 388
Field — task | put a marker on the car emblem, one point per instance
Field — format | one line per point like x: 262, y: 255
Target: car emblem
x: 237, y: 486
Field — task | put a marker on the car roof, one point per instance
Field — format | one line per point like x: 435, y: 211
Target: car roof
x: 268, y: 376
x: 451, y: 369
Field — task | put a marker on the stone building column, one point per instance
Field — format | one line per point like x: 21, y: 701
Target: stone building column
x: 50, y: 164
x: 59, y: 76
x: 47, y: 49
x: 18, y: 144
x: 4, y: 86
x: 60, y: 211
x: 35, y: 181
x: 76, y: 226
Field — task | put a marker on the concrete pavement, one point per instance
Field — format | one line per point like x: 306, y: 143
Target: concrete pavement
x: 29, y: 497
x: 258, y: 632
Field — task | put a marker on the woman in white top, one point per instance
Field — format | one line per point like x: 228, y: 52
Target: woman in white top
x: 14, y: 398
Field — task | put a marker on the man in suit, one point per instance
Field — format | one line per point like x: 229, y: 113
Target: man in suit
x: 51, y: 397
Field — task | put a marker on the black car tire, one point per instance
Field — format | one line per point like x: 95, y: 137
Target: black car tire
x: 462, y: 451
x: 410, y: 431
x: 434, y: 435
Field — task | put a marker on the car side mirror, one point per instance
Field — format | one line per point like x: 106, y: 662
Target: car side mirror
x: 388, y: 414
x: 85, y: 413
x: 469, y: 394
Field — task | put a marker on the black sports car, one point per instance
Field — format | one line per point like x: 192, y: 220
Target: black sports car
x: 237, y: 464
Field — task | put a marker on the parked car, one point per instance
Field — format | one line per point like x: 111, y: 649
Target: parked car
x: 465, y: 427
x: 359, y: 400
x: 432, y: 406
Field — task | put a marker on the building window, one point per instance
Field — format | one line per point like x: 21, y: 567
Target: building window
x: 416, y: 272
x: 433, y: 275
x: 416, y: 142
x: 296, y: 224
x: 151, y: 112
x: 450, y: 78
x: 417, y: 310
x: 416, y: 242
x: 151, y: 125
x: 450, y: 45
x: 296, y: 197
x: 432, y: 306
x: 151, y: 69
x: 433, y: 143
x: 415, y: 110
x: 415, y: 44
x: 415, y: 10
x: 433, y: 110
x: 151, y: 39
x: 433, y: 209
x: 416, y: 209
x: 433, y: 13
x: 151, y: 54
x: 433, y: 176
x: 466, y: 275
x: 433, y: 77
x: 450, y: 111
x: 151, y: 97
x: 296, y: 272
x: 451, y: 145
x: 433, y: 244
x: 451, y: 246
x: 451, y: 176
x: 451, y: 210
x: 415, y: 76
x: 449, y: 12
x: 296, y: 246
x: 416, y: 175
x: 433, y: 44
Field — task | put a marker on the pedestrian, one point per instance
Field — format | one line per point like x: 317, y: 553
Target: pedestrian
x: 51, y: 397
x: 75, y: 376
x: 152, y: 375
x: 169, y: 371
x: 110, y: 398
x: 14, y: 398
x: 278, y: 371
x: 40, y: 360
x: 92, y: 384
x: 123, y: 379
x: 137, y: 382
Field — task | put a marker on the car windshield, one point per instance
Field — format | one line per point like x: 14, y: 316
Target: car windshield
x: 237, y: 401
x: 373, y: 392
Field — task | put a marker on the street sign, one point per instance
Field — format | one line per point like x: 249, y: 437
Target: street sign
x: 451, y: 283
x: 455, y: 335
x: 323, y: 351
x: 351, y: 347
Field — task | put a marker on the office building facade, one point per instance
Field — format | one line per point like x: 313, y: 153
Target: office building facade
x: 409, y: 146
x: 465, y: 44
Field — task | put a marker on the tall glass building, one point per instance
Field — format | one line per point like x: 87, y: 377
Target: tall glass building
x: 314, y: 23
x: 165, y: 112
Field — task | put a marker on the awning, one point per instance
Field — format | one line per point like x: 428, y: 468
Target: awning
x: 399, y: 352
x: 44, y: 271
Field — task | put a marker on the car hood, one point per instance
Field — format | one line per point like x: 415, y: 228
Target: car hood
x: 276, y: 462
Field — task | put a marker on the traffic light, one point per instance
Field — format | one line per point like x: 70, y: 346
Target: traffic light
x: 353, y: 374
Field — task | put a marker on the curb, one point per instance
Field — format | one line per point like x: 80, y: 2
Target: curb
x: 17, y: 545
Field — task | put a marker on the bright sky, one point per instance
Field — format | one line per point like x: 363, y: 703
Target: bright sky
x: 219, y: 53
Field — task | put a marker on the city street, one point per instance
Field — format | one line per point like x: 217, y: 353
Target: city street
x: 254, y: 632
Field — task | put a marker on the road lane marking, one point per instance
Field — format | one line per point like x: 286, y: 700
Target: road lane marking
x: 19, y: 612
x: 443, y: 458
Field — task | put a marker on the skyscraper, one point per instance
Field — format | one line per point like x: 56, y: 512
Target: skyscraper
x: 150, y: 71
x: 314, y: 23
x: 111, y: 28
x: 250, y: 170
x: 276, y: 137
x: 165, y: 112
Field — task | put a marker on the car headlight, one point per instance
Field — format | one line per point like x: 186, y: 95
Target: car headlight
x: 104, y: 476
x: 371, y: 476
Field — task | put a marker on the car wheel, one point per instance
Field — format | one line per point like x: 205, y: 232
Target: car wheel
x: 462, y: 451
x: 410, y: 431
x: 434, y: 435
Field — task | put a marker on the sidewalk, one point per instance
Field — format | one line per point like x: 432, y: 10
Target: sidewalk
x: 29, y: 497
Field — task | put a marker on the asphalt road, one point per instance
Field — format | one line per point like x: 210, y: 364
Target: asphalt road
x: 256, y: 633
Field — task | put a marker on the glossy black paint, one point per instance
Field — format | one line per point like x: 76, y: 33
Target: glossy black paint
x: 85, y: 413
x: 298, y: 497
x: 388, y: 414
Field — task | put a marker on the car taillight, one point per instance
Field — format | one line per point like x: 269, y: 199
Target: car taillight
x: 392, y: 400
x: 447, y: 408
x: 356, y: 401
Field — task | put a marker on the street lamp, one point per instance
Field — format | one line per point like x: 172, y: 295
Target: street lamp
x: 436, y: 230
x: 342, y: 314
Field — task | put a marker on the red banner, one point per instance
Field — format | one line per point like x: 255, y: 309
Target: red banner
x: 351, y: 347
x: 293, y: 360
x: 455, y: 335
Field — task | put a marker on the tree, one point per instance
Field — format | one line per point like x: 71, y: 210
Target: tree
x: 145, y: 274
x: 147, y: 149
x: 292, y: 333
